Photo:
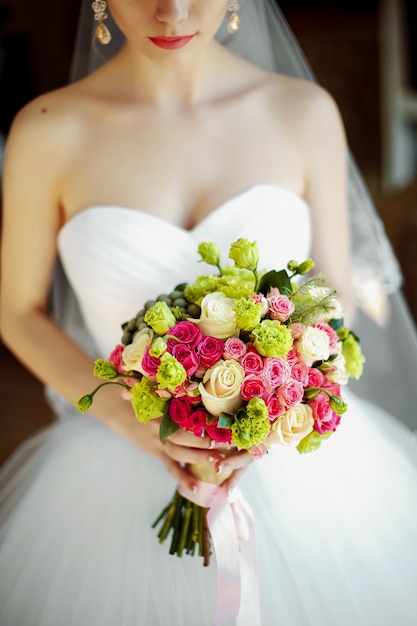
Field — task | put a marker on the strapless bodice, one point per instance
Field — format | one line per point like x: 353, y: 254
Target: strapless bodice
x: 116, y: 258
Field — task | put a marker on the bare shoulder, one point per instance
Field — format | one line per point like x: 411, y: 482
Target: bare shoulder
x: 48, y: 120
x: 306, y: 106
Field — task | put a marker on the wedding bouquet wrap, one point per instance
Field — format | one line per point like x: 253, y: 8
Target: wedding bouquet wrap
x: 243, y: 357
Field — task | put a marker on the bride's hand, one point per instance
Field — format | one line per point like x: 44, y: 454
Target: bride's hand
x: 184, y: 447
x: 181, y: 448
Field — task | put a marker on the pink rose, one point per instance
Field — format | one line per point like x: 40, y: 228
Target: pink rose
x: 315, y: 377
x: 299, y: 372
x: 292, y: 356
x: 219, y: 434
x: 186, y: 356
x: 252, y: 387
x: 150, y: 363
x: 297, y: 329
x: 234, y: 348
x: 291, y: 393
x: 252, y: 362
x: 116, y: 358
x: 280, y: 307
x: 332, y: 334
x: 187, y: 332
x: 274, y: 406
x: 197, y: 422
x: 210, y: 350
x: 324, y: 416
x: 276, y: 372
x: 260, y: 299
x: 333, y: 388
x: 180, y: 410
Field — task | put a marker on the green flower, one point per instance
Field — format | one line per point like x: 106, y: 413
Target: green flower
x: 250, y: 430
x: 313, y: 441
x: 146, y: 403
x: 354, y: 358
x: 300, y: 268
x: 272, y: 339
x: 160, y: 317
x: 104, y: 369
x: 170, y: 372
x: 209, y: 253
x: 84, y: 403
x: 257, y: 409
x: 158, y: 347
x: 248, y: 313
x: 338, y: 405
x: 202, y: 286
x: 235, y: 282
x: 245, y: 254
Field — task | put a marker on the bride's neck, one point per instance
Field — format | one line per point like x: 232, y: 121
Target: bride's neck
x: 170, y: 86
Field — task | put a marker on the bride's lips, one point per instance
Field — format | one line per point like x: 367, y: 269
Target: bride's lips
x: 171, y: 43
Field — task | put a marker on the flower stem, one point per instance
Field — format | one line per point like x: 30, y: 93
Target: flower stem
x: 206, y: 539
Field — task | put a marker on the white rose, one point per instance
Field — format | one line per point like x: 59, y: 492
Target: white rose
x: 220, y: 389
x: 313, y: 345
x: 133, y: 353
x: 294, y: 425
x: 218, y: 316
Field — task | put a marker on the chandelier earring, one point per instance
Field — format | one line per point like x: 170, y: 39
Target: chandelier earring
x: 102, y: 34
x: 233, y: 23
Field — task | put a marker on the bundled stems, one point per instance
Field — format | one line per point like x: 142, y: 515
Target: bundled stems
x: 188, y: 523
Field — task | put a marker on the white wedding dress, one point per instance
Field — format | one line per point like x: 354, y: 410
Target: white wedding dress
x: 336, y: 530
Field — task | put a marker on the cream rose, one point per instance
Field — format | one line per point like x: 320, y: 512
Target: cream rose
x: 133, y: 353
x: 220, y: 389
x: 313, y: 345
x: 294, y: 425
x: 218, y: 316
x: 338, y: 373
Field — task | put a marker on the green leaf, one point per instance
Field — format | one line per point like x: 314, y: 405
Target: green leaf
x: 336, y: 324
x: 180, y: 287
x: 274, y: 278
x: 225, y: 421
x: 167, y: 427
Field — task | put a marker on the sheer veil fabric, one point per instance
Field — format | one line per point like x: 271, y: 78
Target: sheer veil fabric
x: 383, y: 321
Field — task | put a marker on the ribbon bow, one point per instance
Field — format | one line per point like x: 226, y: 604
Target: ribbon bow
x: 231, y: 526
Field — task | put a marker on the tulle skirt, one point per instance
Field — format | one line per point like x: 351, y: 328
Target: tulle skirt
x: 336, y: 532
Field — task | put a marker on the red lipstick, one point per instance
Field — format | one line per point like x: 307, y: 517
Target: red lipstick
x: 171, y: 43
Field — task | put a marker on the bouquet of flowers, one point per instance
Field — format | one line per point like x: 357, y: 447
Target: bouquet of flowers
x: 243, y: 357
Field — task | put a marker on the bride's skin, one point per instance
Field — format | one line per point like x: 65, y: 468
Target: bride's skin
x: 174, y: 133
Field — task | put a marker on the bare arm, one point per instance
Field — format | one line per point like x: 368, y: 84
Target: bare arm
x: 34, y: 176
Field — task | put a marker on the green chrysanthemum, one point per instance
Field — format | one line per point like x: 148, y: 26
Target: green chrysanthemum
x: 248, y: 313
x: 272, y: 339
x: 170, y: 372
x: 257, y: 409
x: 160, y: 318
x: 248, y: 431
x: 105, y: 370
x: 354, y: 358
x: 146, y: 403
x: 203, y: 285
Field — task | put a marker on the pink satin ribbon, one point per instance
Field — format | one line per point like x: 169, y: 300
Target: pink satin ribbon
x: 232, y: 531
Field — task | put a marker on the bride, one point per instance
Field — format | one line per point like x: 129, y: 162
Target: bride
x: 173, y: 141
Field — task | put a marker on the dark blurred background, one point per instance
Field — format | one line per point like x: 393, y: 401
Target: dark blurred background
x: 352, y: 47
